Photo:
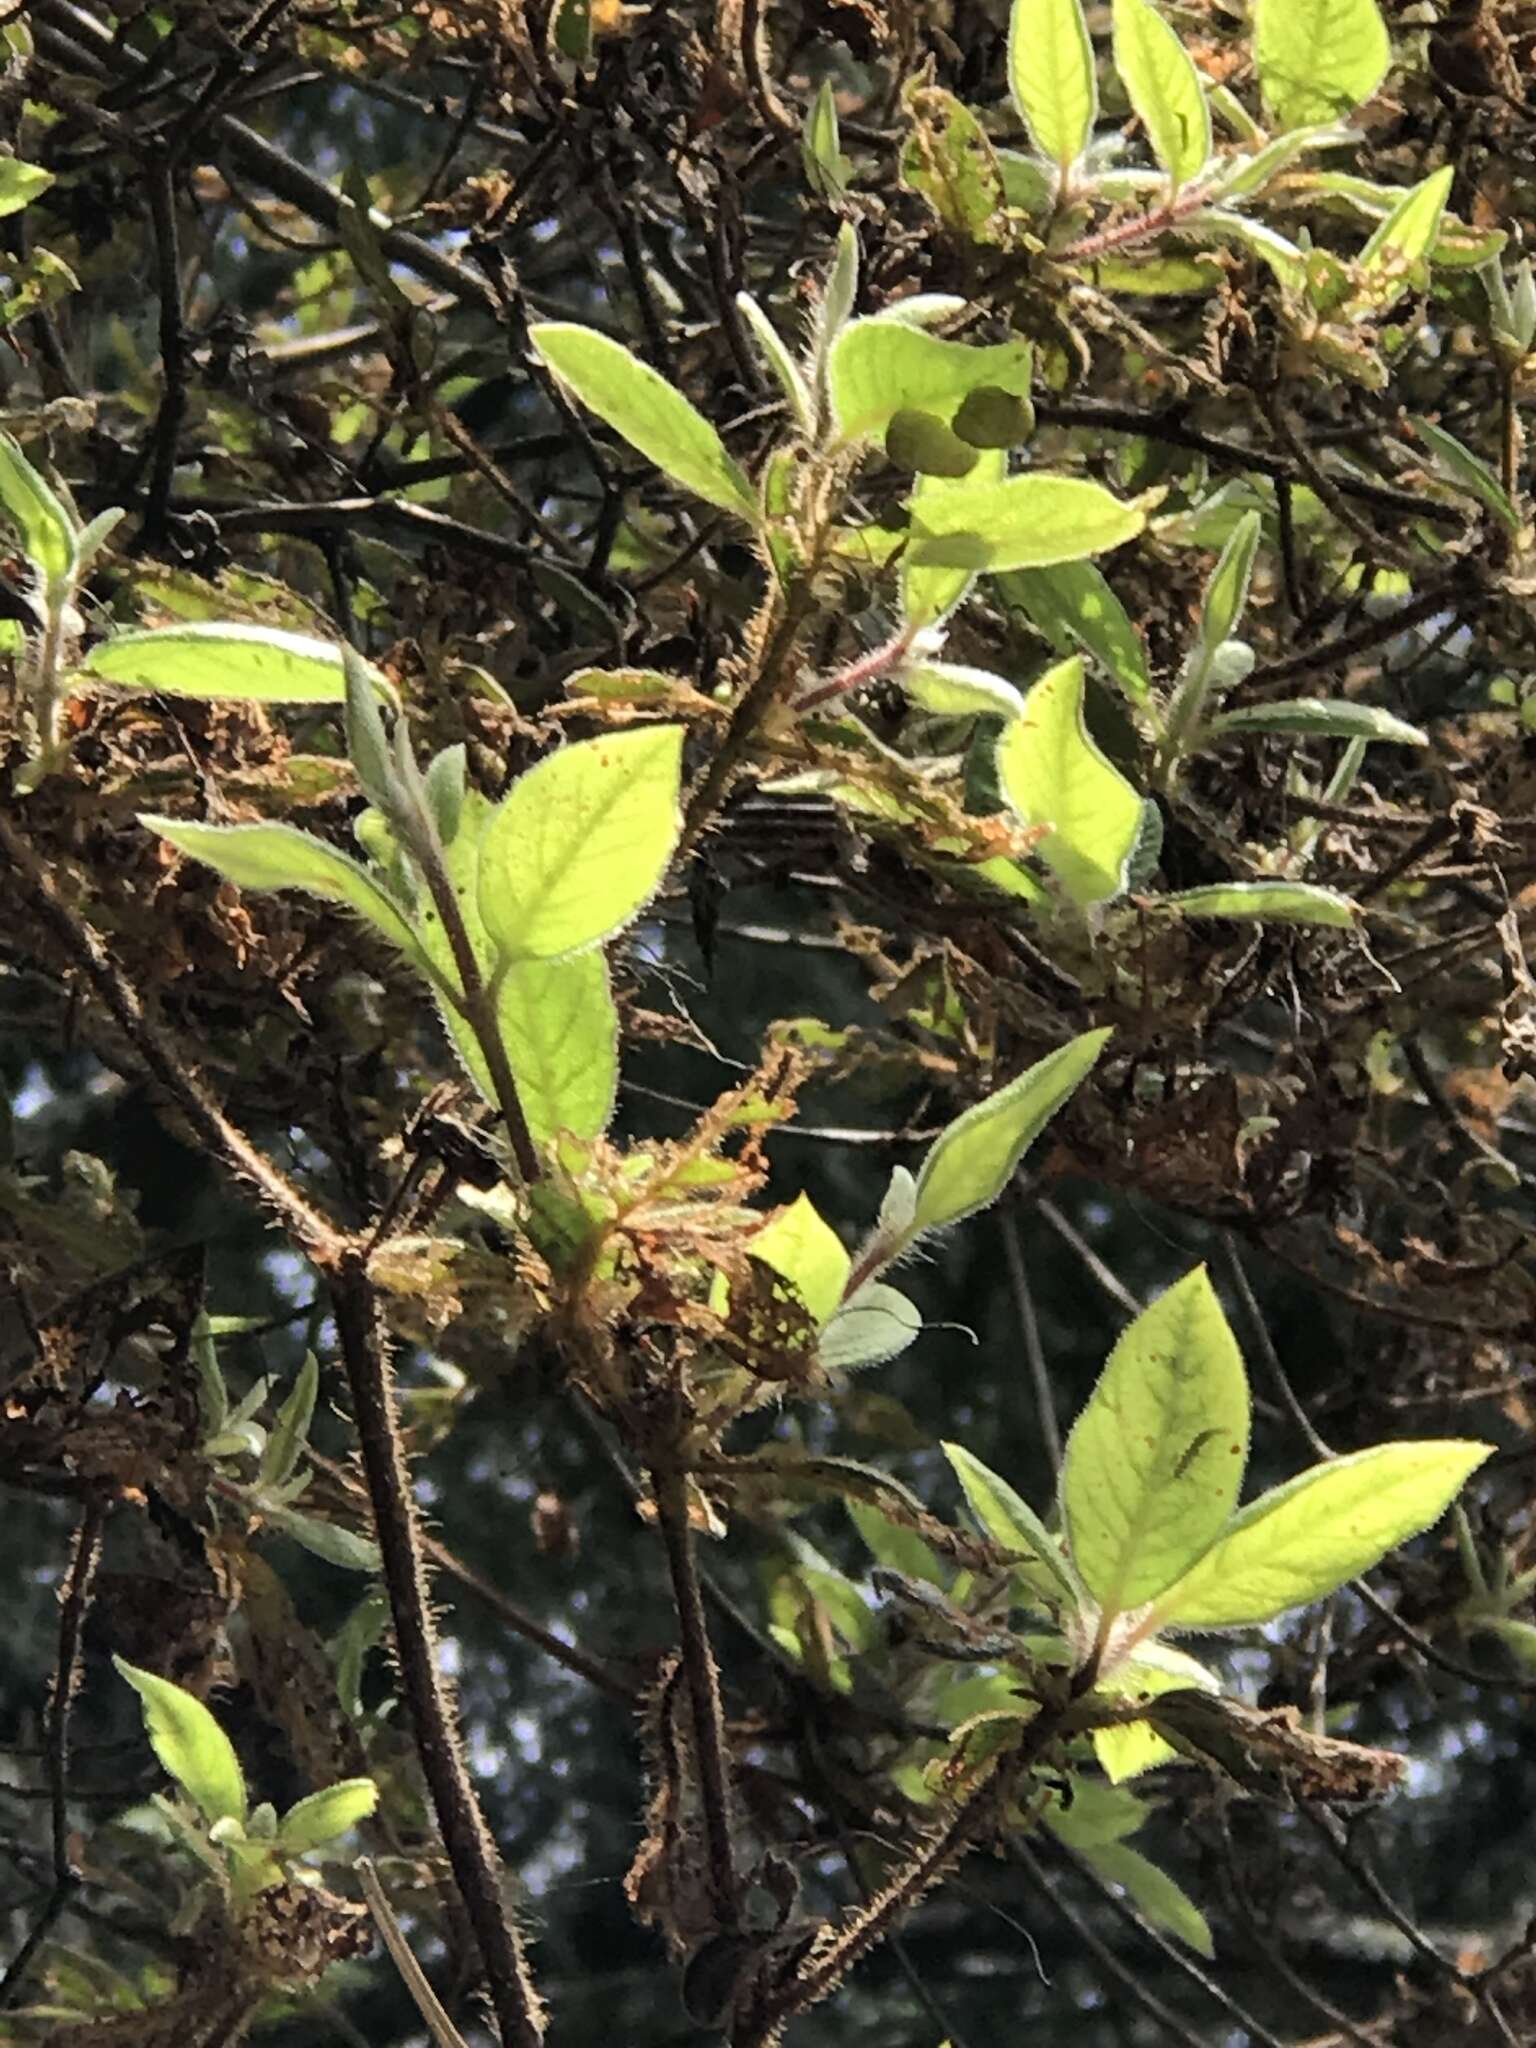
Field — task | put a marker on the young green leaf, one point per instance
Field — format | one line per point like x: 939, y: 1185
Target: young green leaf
x: 212, y: 1392
x: 38, y: 514
x: 190, y: 1744
x: 20, y: 184
x: 931, y: 590
x: 1318, y: 59
x: 1408, y: 233
x: 282, y: 857
x: 1155, y: 1460
x: 951, y: 691
x: 561, y: 1032
x: 1283, y: 902
x: 821, y: 148
x: 1227, y: 592
x: 799, y: 1244
x: 337, y: 1545
x: 1302, y: 1540
x: 778, y: 358
x: 580, y: 843
x: 1154, y: 1894
x: 1074, y: 607
x: 1052, y: 78
x: 1468, y: 471
x: 1025, y: 522
x: 971, y: 1162
x: 1052, y: 773
x: 1096, y: 1815
x: 1320, y: 718
x: 647, y: 412
x: 285, y: 1446
x: 874, y: 1324
x: 262, y: 664
x: 324, y: 1815
x: 878, y: 368
x: 837, y: 298
x: 1164, y: 88
x: 891, y: 1543
x: 1009, y: 1520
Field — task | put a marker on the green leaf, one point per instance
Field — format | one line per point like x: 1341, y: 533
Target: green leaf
x: 1164, y: 88
x: 1052, y: 773
x: 1468, y: 471
x: 930, y: 591
x: 878, y: 368
x: 20, y: 184
x: 821, y: 148
x: 260, y: 664
x: 1009, y: 1520
x: 1405, y: 238
x: 1226, y: 594
x: 951, y: 691
x: 838, y: 297
x: 38, y: 514
x: 1284, y: 902
x: 212, y: 1392
x: 1154, y: 1895
x: 1284, y: 258
x: 971, y: 1162
x: 647, y: 412
x: 1318, y: 718
x: 1052, y: 78
x: 285, y: 1446
x: 891, y: 1543
x: 325, y: 1815
x: 917, y: 441
x: 1243, y: 176
x: 337, y: 1545
x: 561, y: 1032
x: 1318, y: 59
x: 1302, y: 1540
x: 874, y: 1324
x: 1155, y: 1460
x: 349, y: 1647
x: 1073, y: 606
x: 950, y: 160
x: 579, y: 845
x: 1126, y: 1750
x: 801, y: 1246
x: 1024, y: 522
x: 190, y: 1744
x: 778, y: 358
x: 1098, y: 1815
x: 282, y: 857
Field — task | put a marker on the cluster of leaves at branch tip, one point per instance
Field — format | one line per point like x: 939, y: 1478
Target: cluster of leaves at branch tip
x: 251, y: 1849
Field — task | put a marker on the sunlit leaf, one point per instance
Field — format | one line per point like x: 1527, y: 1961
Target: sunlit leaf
x: 190, y: 1744
x: 1009, y: 1520
x: 324, y: 1815
x: 878, y: 368
x: 647, y: 411
x: 20, y: 183
x: 282, y: 857
x: 1318, y: 59
x: 264, y: 664
x: 1302, y: 1540
x: 1283, y: 902
x: 799, y: 1244
x: 1025, y: 522
x: 580, y: 843
x: 971, y: 1162
x: 951, y: 691
x: 874, y: 1324
x: 1052, y: 773
x: 1052, y: 77
x: 1164, y: 89
x: 561, y: 1032
x: 1154, y: 1894
x: 34, y: 508
x: 1407, y: 235
x: 1074, y: 607
x: 1155, y: 1460
x: 1320, y: 718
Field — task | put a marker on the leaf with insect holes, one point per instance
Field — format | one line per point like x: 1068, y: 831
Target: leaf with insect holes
x: 580, y: 843
x: 208, y: 659
x: 1317, y: 60
x: 1051, y: 773
x: 1164, y: 89
x: 972, y: 1160
x: 799, y: 1244
x: 190, y: 1744
x: 1052, y: 77
x: 1303, y: 1540
x: 647, y: 411
x: 1155, y: 1460
x: 282, y: 857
